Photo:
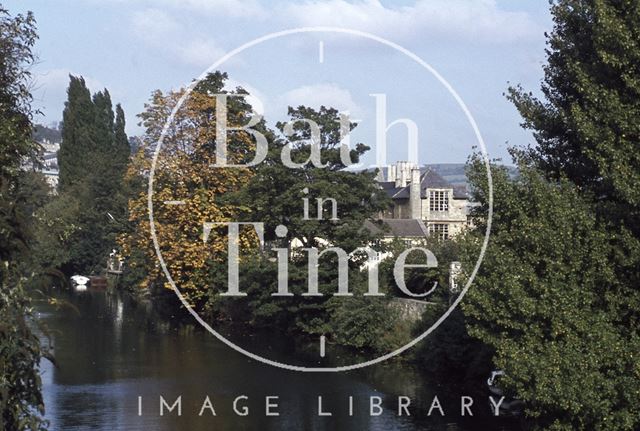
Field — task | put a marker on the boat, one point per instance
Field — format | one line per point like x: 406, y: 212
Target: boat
x: 79, y: 282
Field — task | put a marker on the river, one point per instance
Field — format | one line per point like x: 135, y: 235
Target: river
x: 115, y: 359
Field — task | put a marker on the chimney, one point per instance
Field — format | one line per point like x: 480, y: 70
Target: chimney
x: 397, y: 173
x: 403, y: 176
x: 391, y: 173
x: 415, y: 201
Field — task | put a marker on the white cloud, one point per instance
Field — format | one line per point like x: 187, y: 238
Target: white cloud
x: 314, y: 96
x: 199, y: 52
x: 154, y: 23
x: 477, y: 20
x: 163, y: 33
x: 480, y: 21
x: 229, y: 8
x: 59, y: 79
x: 234, y: 8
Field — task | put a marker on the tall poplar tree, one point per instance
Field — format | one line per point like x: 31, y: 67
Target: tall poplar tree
x: 587, y: 127
x: 549, y: 301
x: 78, y: 138
x: 122, y: 148
x: 92, y: 160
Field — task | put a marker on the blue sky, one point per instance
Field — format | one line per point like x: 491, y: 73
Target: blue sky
x: 134, y: 47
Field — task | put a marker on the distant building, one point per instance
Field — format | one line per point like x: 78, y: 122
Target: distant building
x: 49, y: 147
x: 424, y: 203
x: 48, y: 162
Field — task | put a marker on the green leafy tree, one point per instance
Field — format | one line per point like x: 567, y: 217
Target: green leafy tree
x: 557, y: 296
x: 122, y: 148
x: 274, y: 195
x: 546, y: 299
x: 276, y: 192
x: 586, y: 126
x: 21, y: 405
x: 56, y: 223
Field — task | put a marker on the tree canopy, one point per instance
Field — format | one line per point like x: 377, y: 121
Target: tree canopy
x: 557, y: 295
x: 183, y: 173
x: 93, y: 158
x: 547, y: 298
x: 586, y: 125
x: 21, y: 404
x: 271, y: 193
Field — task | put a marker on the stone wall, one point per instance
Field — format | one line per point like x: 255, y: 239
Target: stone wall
x: 410, y: 309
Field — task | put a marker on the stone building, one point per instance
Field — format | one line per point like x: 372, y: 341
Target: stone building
x: 423, y: 201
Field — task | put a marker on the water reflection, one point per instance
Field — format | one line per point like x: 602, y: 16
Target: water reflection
x: 111, y: 351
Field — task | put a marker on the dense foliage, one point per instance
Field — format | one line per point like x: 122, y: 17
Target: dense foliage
x: 586, y: 126
x: 557, y: 297
x: 269, y: 192
x: 546, y: 299
x: 21, y: 405
x: 82, y: 222
x: 184, y: 173
x: 275, y: 194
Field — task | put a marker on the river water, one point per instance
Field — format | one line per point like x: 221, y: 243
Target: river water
x: 115, y: 359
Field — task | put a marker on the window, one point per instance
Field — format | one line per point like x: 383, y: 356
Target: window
x: 438, y: 200
x: 441, y: 230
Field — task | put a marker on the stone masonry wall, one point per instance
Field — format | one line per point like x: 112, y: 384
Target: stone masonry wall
x: 410, y: 309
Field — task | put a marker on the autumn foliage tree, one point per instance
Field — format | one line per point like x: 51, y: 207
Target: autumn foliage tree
x: 184, y: 173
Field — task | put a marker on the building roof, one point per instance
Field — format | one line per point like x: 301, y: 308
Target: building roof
x: 404, y: 228
x: 429, y: 179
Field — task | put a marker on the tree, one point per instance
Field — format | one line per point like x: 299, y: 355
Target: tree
x: 270, y: 193
x: 78, y: 139
x: 55, y: 228
x: 547, y: 300
x: 184, y: 173
x: 21, y: 405
x: 122, y: 149
x: 92, y: 159
x: 586, y: 126
x: 274, y: 195
x: 557, y: 296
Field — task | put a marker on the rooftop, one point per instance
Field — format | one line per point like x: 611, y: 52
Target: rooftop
x: 428, y: 179
x: 405, y: 228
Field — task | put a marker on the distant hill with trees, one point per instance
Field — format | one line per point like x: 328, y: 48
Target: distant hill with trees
x: 455, y: 173
x: 47, y: 133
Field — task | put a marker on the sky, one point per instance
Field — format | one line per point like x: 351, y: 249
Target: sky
x: 478, y: 47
